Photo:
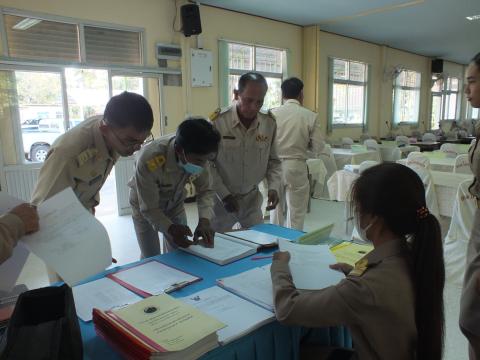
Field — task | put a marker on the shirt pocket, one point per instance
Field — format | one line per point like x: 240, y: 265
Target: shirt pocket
x: 87, y: 186
x: 166, y: 193
x: 231, y: 148
x: 262, y: 149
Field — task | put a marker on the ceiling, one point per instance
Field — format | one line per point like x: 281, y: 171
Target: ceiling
x: 434, y: 28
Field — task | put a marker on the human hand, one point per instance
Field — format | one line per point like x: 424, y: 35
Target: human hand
x: 179, y: 235
x: 29, y: 216
x: 231, y: 204
x: 205, y: 232
x: 345, y: 268
x: 272, y: 199
x: 282, y: 256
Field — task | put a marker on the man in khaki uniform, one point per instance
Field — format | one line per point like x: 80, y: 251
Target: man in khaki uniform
x: 298, y: 130
x: 158, y: 187
x: 21, y: 220
x: 247, y: 155
x: 83, y: 157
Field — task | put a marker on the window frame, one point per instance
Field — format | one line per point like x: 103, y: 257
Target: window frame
x: 443, y: 94
x: 366, y: 92
x: 417, y: 89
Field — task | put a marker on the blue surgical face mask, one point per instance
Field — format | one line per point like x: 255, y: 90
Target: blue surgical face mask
x: 191, y: 168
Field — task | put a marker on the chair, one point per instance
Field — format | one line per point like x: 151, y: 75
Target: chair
x: 458, y: 235
x: 347, y: 142
x: 429, y: 137
x: 416, y: 158
x: 424, y: 174
x: 462, y: 164
x: 452, y: 135
x: 372, y: 145
x: 402, y: 140
x: 326, y: 155
x: 396, y: 154
x: 364, y: 137
x: 450, y: 150
x: 364, y: 165
x: 406, y: 150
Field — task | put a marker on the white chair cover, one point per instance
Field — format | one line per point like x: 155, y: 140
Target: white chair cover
x: 364, y: 137
x: 409, y: 149
x: 430, y: 194
x: 402, y: 140
x: 372, y: 145
x: 326, y: 155
x: 366, y: 164
x: 457, y: 238
x: 347, y: 142
x: 450, y: 150
x: 416, y: 158
x: 428, y: 137
x: 462, y: 164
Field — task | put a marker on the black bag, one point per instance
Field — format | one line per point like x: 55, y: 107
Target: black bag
x: 43, y: 326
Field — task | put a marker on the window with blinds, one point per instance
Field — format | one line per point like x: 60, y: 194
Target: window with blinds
x: 37, y: 39
x: 30, y: 38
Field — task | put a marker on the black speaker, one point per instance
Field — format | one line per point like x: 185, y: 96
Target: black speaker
x: 191, y: 20
x: 437, y: 66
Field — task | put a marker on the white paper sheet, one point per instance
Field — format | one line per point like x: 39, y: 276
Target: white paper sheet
x: 254, y: 285
x: 256, y: 237
x: 240, y: 316
x: 309, y: 265
x: 70, y: 240
x: 103, y: 294
x: 154, y: 277
x: 11, y: 268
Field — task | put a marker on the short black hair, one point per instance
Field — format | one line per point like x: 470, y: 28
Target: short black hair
x: 251, y: 76
x: 291, y: 88
x: 197, y: 136
x: 129, y: 110
x: 476, y: 60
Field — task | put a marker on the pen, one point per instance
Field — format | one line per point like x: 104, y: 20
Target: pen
x: 261, y: 257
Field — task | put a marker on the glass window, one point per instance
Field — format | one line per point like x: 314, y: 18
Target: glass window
x: 348, y: 92
x: 406, y: 97
x: 445, y: 95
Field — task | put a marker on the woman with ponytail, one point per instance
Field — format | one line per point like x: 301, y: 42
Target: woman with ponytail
x: 392, y: 300
x: 470, y: 303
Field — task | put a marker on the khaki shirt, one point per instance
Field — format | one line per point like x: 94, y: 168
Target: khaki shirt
x: 375, y: 301
x: 78, y: 159
x: 160, y: 184
x: 245, y: 156
x: 12, y: 228
x: 298, y: 130
x: 474, y: 158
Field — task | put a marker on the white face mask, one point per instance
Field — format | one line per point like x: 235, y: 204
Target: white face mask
x: 362, y: 233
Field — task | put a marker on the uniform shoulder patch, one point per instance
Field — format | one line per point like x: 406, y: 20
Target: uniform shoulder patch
x: 360, y: 267
x: 270, y: 113
x: 86, y: 155
x: 155, y: 162
x: 214, y: 115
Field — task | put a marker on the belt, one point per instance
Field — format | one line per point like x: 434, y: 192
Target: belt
x: 247, y: 193
x: 298, y: 159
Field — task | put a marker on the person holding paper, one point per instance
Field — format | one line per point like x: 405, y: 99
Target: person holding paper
x: 470, y: 301
x: 392, y: 300
x: 83, y: 157
x: 21, y: 220
x: 247, y: 156
x: 157, y: 190
x: 298, y: 130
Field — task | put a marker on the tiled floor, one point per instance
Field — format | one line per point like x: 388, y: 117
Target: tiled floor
x: 125, y: 250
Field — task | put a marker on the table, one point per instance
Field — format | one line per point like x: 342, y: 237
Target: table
x: 427, y: 145
x: 438, y: 161
x: 271, y: 341
x: 446, y: 185
x: 348, y: 156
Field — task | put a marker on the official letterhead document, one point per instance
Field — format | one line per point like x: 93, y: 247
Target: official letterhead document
x: 240, y: 316
x: 226, y: 250
x: 257, y: 237
x: 153, y: 278
x: 167, y: 322
x: 70, y: 240
x: 309, y: 265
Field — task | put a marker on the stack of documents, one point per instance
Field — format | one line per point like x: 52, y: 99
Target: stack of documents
x: 263, y: 240
x: 319, y: 236
x: 349, y: 252
x: 240, y: 316
x: 254, y: 285
x: 226, y: 250
x: 159, y: 327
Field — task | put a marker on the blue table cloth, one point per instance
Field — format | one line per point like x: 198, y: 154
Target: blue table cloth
x: 272, y: 341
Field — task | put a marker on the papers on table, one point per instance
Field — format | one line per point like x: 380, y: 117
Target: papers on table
x: 70, y: 240
x: 309, y: 265
x: 159, y: 327
x: 152, y: 278
x: 352, y: 168
x: 103, y: 294
x: 349, y: 252
x: 254, y: 285
x: 318, y: 236
x: 227, y: 249
x: 240, y: 316
x: 257, y: 237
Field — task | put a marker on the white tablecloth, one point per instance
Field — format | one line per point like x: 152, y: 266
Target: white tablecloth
x: 347, y: 156
x: 443, y: 164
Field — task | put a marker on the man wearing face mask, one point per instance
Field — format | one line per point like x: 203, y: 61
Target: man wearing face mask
x: 157, y: 190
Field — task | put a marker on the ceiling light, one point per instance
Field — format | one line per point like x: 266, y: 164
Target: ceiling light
x: 474, y: 17
x: 26, y: 23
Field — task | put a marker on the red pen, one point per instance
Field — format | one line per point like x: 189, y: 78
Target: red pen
x: 261, y: 257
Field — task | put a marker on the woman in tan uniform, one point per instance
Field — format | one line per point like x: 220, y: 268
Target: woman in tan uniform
x: 470, y: 303
x: 392, y: 300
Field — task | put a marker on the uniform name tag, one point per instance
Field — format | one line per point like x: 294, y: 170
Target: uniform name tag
x: 229, y: 137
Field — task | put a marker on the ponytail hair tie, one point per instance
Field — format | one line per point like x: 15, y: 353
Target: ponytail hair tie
x: 422, y: 213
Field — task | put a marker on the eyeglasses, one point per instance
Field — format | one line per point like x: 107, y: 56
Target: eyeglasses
x: 132, y: 144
